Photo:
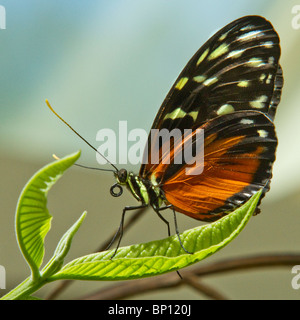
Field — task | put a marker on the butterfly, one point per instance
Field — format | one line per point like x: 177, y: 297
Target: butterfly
x: 230, y: 89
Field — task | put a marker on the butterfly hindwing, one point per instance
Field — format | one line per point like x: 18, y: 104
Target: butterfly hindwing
x: 278, y: 84
x: 239, y: 151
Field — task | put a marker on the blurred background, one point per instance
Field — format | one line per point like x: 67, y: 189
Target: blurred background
x: 99, y: 62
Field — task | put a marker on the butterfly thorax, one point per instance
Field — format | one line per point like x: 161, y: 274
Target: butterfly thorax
x: 143, y: 190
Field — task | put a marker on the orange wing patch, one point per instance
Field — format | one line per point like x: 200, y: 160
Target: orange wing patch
x: 237, y: 162
x: 199, y: 196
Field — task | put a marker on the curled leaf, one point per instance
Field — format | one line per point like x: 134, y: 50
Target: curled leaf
x: 33, y: 219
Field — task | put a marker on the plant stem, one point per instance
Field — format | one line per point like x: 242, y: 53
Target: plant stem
x: 24, y: 289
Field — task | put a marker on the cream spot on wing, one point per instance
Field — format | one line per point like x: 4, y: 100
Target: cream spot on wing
x: 223, y: 48
x: 243, y: 84
x: 262, y: 77
x: 181, y: 83
x: 259, y: 103
x: 271, y: 60
x: 194, y: 115
x: 210, y: 81
x: 223, y: 36
x: 268, y: 81
x: 225, y: 109
x: 248, y: 27
x: 199, y: 79
x: 177, y: 113
x: 202, y: 57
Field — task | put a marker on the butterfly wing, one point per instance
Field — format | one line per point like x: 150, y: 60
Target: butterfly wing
x: 230, y: 88
x: 236, y: 69
x: 239, y: 151
x: 278, y: 84
x: 236, y: 66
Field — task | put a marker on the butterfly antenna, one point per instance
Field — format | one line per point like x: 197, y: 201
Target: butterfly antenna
x: 82, y: 166
x: 65, y: 122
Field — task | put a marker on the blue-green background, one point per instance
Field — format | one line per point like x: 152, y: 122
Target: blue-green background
x: 99, y: 62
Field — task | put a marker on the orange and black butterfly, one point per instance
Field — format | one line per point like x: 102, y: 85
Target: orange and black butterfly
x: 230, y: 88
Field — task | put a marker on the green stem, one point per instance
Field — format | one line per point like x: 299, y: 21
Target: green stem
x: 24, y: 289
x: 30, y: 285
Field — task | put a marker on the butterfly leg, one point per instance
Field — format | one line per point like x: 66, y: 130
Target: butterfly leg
x: 163, y: 219
x: 167, y: 223
x: 176, y: 228
x: 120, y: 229
x: 177, y: 232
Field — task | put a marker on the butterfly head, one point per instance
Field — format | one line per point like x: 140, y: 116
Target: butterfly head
x: 122, y: 176
x: 116, y: 189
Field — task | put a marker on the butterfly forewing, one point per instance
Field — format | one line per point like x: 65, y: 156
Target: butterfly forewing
x: 234, y: 70
x: 234, y: 75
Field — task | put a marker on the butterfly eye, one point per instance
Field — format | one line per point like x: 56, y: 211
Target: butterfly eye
x: 114, y: 192
x: 122, y: 176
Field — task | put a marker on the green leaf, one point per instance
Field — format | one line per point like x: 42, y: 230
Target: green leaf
x: 157, y: 257
x: 62, y: 249
x: 33, y: 220
x: 32, y: 298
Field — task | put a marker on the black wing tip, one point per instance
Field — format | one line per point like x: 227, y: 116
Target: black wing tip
x: 276, y: 97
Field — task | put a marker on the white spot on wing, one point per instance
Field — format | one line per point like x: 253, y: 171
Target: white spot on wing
x: 246, y: 121
x: 268, y: 44
x: 255, y: 62
x: 251, y: 34
x: 235, y: 53
x: 262, y: 133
